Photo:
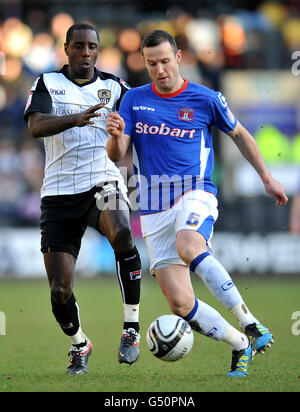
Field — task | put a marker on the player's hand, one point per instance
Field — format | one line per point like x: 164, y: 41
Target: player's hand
x: 276, y: 190
x: 115, y: 125
x: 84, y: 118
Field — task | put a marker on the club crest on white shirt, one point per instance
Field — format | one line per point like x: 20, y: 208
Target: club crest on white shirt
x: 104, y: 95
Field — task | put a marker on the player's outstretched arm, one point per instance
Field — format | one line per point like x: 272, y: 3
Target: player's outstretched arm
x: 118, y: 142
x: 250, y: 150
x: 43, y: 125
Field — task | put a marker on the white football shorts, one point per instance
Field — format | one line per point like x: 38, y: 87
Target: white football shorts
x: 196, y: 210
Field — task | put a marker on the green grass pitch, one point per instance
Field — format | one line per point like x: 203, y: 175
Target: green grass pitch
x: 33, y: 355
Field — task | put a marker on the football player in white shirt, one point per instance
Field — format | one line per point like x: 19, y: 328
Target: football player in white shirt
x: 82, y: 187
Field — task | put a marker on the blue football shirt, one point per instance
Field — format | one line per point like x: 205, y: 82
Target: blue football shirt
x: 172, y: 141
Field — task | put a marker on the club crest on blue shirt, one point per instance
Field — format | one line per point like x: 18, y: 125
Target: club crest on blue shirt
x: 104, y: 95
x: 186, y: 114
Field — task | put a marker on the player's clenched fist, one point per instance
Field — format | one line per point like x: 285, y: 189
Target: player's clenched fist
x: 276, y: 190
x: 115, y: 124
x: 118, y: 142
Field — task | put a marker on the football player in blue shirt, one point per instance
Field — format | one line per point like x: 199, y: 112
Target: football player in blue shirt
x: 169, y: 122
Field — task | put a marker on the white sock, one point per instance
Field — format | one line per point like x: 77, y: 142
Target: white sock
x: 207, y: 321
x: 236, y: 339
x: 219, y: 282
x: 243, y: 315
x: 217, y: 279
x: 131, y: 312
x: 78, y: 338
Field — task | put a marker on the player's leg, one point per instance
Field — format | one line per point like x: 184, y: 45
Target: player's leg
x: 114, y: 223
x: 176, y: 285
x: 60, y: 268
x: 192, y: 248
x: 63, y: 223
x: 159, y: 231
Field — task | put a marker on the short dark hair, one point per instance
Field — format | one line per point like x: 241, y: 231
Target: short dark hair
x: 80, y: 26
x: 157, y: 37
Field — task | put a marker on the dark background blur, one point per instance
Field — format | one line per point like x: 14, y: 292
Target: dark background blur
x: 246, y: 49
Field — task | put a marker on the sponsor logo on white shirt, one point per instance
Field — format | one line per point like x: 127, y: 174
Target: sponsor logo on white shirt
x: 57, y: 92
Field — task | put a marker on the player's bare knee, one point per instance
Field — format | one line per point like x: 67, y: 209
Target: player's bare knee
x: 187, y: 249
x: 186, y: 252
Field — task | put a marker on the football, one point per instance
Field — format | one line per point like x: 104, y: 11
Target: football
x: 170, y: 338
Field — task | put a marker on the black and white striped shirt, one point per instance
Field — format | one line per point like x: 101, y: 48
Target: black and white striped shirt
x: 76, y: 159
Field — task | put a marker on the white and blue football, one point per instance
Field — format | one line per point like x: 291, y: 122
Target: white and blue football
x: 170, y: 338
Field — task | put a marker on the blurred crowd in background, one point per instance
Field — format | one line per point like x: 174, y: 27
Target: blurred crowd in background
x: 215, y: 36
